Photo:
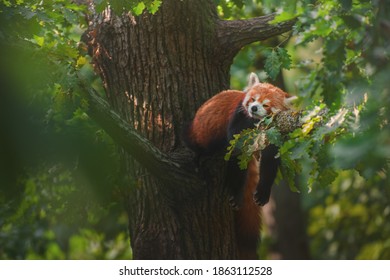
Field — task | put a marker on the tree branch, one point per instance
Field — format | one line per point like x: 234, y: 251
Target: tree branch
x: 235, y: 34
x: 156, y: 162
x: 288, y: 121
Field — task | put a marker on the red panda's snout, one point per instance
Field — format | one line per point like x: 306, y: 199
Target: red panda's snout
x: 258, y: 109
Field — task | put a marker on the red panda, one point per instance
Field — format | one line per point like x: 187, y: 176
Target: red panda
x: 209, y: 128
x: 216, y: 121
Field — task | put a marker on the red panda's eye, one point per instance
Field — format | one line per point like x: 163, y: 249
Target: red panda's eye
x: 265, y: 105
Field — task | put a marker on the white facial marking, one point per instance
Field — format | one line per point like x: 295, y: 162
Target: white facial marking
x: 254, y: 107
x: 256, y: 110
x: 245, y: 101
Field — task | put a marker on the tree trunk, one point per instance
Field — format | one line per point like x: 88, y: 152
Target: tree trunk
x: 156, y: 71
x: 286, y: 225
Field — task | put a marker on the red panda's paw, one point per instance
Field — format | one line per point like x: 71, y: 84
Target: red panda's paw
x: 261, y: 197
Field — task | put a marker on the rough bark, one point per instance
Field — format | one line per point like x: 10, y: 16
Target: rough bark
x: 168, y: 169
x: 235, y: 34
x: 157, y: 70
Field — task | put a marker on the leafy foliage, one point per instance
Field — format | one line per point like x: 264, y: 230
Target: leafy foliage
x: 306, y: 148
x: 55, y: 164
x: 120, y: 6
x: 276, y: 60
x: 341, y: 157
x: 251, y: 141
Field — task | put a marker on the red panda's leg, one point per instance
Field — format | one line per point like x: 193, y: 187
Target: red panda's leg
x: 268, y: 170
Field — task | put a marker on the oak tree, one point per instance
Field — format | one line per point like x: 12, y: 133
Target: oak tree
x: 157, y: 69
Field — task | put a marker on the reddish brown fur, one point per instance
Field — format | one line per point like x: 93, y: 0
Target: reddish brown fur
x: 210, y: 125
x: 248, y: 217
x: 212, y: 118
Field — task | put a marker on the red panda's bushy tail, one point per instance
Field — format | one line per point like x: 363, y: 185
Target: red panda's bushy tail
x: 248, y: 217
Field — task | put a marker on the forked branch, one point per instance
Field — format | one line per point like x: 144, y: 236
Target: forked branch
x: 148, y: 155
x: 235, y: 34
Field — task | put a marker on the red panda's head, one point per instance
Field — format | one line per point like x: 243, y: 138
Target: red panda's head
x: 263, y: 99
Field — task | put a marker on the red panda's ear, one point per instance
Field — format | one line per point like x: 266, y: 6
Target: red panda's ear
x: 289, y: 100
x: 252, y: 80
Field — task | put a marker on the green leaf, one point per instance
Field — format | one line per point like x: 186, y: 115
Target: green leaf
x: 154, y: 6
x: 139, y: 8
x: 274, y: 136
x: 289, y: 169
x: 284, y: 58
x: 272, y: 64
x: 39, y: 40
x: 326, y: 176
x: 300, y: 150
x: 243, y: 161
